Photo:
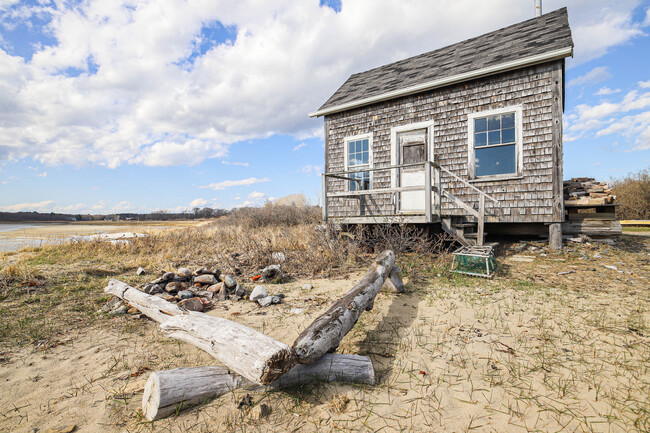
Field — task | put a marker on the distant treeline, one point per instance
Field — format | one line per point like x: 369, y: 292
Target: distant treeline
x: 161, y: 215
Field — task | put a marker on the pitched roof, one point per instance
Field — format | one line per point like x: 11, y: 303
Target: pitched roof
x: 533, y: 41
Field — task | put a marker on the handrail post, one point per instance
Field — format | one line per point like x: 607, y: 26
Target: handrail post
x: 427, y: 190
x: 438, y: 181
x: 481, y: 220
x: 324, y: 192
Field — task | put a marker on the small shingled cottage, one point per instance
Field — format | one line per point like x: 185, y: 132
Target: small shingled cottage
x: 468, y: 136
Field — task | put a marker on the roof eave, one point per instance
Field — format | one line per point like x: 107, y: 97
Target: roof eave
x: 454, y: 79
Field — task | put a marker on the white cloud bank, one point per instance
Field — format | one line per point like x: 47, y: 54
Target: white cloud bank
x: 218, y: 186
x: 127, y: 82
x: 629, y: 117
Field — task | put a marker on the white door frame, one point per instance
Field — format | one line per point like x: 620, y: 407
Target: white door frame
x: 394, y: 146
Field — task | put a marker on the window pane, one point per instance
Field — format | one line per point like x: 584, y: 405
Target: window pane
x: 364, y: 176
x: 495, y: 160
x: 350, y: 147
x: 480, y: 125
x: 365, y: 157
x: 480, y: 139
x: 494, y: 122
x: 494, y: 137
x: 413, y: 153
x: 508, y: 120
x: 365, y: 145
x: 508, y: 135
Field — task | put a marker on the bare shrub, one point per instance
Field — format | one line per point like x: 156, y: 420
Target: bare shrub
x: 274, y: 215
x: 633, y: 193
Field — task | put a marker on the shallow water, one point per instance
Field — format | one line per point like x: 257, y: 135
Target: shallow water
x: 15, y: 236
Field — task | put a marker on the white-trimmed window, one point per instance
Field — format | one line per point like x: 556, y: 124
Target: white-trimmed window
x: 495, y: 143
x: 358, y: 158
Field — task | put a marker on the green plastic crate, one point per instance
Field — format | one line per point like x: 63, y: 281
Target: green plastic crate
x: 476, y: 261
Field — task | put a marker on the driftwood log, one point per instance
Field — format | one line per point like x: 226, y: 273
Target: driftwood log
x: 167, y: 392
x: 151, y: 306
x: 327, y: 331
x: 257, y: 357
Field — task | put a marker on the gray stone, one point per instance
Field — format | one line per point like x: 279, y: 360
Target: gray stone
x: 266, y: 301
x: 240, y: 291
x: 272, y: 274
x: 185, y: 294
x: 598, y: 256
x: 184, y: 273
x: 205, y: 294
x: 307, y: 287
x: 140, y: 271
x: 173, y: 287
x: 153, y: 289
x: 205, y: 279
x: 200, y: 271
x: 394, y: 283
x: 114, y: 303
x: 229, y: 282
x: 296, y: 310
x: 168, y: 276
x: 215, y: 287
x: 258, y: 292
x: 122, y: 309
x: 192, y: 304
x: 269, y: 300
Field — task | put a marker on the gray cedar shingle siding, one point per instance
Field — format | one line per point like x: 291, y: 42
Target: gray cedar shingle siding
x: 528, y: 199
x: 548, y: 33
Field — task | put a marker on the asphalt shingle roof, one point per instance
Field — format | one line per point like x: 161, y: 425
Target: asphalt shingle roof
x: 536, y: 36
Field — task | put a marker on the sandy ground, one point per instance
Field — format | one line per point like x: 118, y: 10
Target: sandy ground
x: 556, y: 343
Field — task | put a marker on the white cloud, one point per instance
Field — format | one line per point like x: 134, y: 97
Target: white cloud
x: 596, y: 75
x: 312, y: 169
x: 604, y: 91
x: 299, y: 146
x: 199, y: 202
x: 217, y: 186
x: 27, y: 207
x: 629, y: 117
x: 242, y: 164
x: 144, y: 93
x: 43, y: 174
x: 598, y: 26
x: 255, y: 198
x: 644, y: 84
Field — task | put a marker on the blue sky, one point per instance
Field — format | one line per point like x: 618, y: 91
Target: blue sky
x: 136, y: 106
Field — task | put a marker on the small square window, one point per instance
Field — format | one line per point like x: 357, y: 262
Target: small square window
x: 494, y: 143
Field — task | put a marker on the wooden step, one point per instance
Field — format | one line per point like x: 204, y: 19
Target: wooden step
x: 459, y: 225
x: 472, y: 235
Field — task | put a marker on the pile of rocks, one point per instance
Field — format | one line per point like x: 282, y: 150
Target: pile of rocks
x: 200, y: 289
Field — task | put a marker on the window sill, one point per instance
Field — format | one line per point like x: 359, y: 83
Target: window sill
x: 496, y: 178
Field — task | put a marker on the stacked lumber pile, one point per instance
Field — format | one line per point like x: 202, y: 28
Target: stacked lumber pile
x: 590, y: 208
x: 586, y: 191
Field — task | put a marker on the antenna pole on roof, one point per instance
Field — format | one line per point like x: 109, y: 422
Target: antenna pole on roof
x: 538, y: 8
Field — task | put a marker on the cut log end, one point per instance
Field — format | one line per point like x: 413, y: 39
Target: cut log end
x: 151, y: 398
x: 280, y: 363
